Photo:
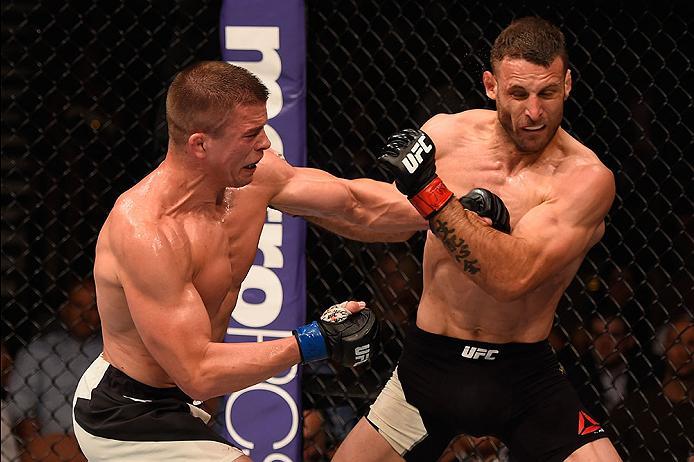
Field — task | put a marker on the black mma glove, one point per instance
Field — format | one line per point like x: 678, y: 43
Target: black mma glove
x: 347, y: 338
x: 409, y: 156
x: 487, y: 204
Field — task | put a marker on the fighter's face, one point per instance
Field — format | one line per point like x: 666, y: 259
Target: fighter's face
x: 79, y: 313
x: 232, y: 157
x: 529, y: 100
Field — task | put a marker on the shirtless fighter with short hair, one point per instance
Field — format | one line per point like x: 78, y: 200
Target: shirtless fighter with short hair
x: 478, y: 361
x: 170, y: 260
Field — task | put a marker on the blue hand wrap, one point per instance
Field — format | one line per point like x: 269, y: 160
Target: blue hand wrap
x: 311, y: 342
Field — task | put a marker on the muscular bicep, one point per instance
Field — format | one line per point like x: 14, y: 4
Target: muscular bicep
x: 356, y: 203
x: 313, y: 192
x: 554, y: 241
x: 564, y: 227
x: 167, y: 310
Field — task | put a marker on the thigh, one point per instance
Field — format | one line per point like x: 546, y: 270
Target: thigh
x: 553, y: 425
x: 402, y: 425
x: 601, y: 450
x: 364, y: 443
x: 395, y: 419
x: 110, y: 424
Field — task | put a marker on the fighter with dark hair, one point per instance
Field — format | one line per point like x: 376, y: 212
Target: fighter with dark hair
x: 478, y: 361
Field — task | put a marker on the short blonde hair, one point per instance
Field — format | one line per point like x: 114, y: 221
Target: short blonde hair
x: 203, y: 95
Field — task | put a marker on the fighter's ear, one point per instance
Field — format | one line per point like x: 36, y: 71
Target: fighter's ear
x: 490, y: 84
x: 196, y: 145
x: 568, y: 83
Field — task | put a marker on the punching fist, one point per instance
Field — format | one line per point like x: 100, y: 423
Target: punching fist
x: 346, y: 337
x: 487, y: 204
x: 409, y: 157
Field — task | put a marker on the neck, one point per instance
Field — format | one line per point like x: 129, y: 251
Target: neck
x: 188, y: 186
x: 511, y: 159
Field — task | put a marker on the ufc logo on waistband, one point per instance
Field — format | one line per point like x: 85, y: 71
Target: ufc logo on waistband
x: 472, y: 352
x: 414, y: 158
x: 361, y: 354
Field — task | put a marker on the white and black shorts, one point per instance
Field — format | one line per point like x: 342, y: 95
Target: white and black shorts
x: 446, y: 386
x: 118, y: 418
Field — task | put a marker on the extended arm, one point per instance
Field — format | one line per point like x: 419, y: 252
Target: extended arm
x: 356, y: 232
x: 360, y: 209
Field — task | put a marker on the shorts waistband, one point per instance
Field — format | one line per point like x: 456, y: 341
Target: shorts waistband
x: 119, y: 381
x: 474, y: 349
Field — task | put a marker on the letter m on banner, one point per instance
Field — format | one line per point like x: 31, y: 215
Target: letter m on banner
x: 267, y: 37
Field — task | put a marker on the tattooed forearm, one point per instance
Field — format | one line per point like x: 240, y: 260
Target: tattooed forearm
x: 456, y: 246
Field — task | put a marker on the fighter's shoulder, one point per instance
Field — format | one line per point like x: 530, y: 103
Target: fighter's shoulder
x: 449, y: 131
x: 136, y: 231
x: 466, y: 120
x: 273, y: 170
x: 581, y: 168
x: 578, y: 157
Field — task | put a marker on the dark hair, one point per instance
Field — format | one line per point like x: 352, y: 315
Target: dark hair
x: 531, y: 38
x: 203, y: 95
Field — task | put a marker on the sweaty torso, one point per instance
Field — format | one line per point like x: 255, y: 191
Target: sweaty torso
x: 223, y: 242
x: 467, y: 157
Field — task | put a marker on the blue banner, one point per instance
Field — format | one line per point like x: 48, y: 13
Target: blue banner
x: 267, y: 37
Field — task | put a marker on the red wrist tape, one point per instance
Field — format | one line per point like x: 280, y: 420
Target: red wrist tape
x: 432, y: 198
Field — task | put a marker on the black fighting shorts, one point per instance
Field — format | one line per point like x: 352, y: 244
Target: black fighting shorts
x: 516, y: 392
x: 118, y: 418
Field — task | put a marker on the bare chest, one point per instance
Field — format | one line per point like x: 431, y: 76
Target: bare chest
x: 520, y: 191
x: 223, y: 253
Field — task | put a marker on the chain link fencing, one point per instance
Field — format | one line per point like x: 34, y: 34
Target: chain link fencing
x: 83, y: 86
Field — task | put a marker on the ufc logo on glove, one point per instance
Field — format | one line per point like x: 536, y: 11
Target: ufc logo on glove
x: 361, y: 354
x: 414, y: 158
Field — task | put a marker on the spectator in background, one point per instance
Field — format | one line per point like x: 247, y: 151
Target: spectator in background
x: 46, y: 374
x: 655, y: 423
x: 606, y: 371
x: 9, y: 452
x: 397, y: 280
x: 606, y: 363
x: 612, y: 344
x: 315, y: 438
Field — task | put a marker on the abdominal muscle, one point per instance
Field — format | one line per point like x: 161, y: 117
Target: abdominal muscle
x: 469, y: 316
x: 454, y: 306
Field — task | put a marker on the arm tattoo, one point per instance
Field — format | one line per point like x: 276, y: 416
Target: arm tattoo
x: 456, y: 246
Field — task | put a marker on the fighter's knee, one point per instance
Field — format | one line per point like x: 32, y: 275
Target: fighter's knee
x: 595, y: 451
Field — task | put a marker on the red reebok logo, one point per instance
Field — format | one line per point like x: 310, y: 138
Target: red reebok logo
x: 586, y: 424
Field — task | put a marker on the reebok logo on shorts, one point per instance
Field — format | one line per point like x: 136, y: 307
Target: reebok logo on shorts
x: 471, y: 352
x: 586, y: 424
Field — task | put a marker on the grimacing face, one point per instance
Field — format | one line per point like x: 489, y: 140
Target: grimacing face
x: 232, y: 157
x: 529, y: 100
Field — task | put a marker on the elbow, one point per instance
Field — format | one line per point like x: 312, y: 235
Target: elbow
x: 506, y: 296
x: 510, y: 290
x: 195, y: 388
x: 513, y: 283
x: 197, y: 391
x: 195, y: 384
